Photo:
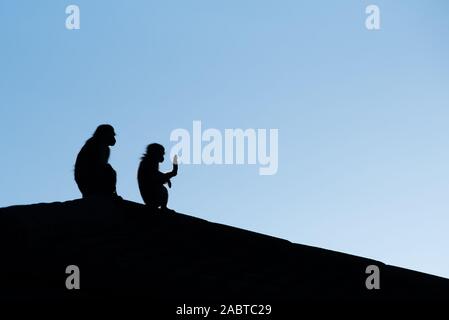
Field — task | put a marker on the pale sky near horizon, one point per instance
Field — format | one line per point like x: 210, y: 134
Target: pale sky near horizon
x: 362, y: 115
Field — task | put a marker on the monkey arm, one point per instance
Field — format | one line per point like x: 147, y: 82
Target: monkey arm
x: 165, y: 177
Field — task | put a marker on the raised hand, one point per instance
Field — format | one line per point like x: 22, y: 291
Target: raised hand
x: 175, y: 165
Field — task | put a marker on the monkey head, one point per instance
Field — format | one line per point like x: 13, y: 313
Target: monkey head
x: 105, y: 134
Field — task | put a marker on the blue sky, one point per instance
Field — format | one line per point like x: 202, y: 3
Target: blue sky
x: 362, y: 115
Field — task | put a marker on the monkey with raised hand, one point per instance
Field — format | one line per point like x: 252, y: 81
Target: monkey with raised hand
x: 151, y: 180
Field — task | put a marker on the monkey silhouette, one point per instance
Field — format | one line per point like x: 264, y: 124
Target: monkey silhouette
x: 151, y: 180
x: 93, y: 174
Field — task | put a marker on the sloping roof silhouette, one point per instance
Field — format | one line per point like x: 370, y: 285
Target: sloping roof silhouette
x: 124, y: 252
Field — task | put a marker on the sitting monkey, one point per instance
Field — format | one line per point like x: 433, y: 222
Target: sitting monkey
x: 151, y: 180
x: 93, y: 174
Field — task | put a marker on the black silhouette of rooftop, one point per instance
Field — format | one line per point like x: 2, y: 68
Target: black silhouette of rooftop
x: 126, y: 252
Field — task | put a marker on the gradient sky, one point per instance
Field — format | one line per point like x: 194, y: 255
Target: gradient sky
x: 362, y: 115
